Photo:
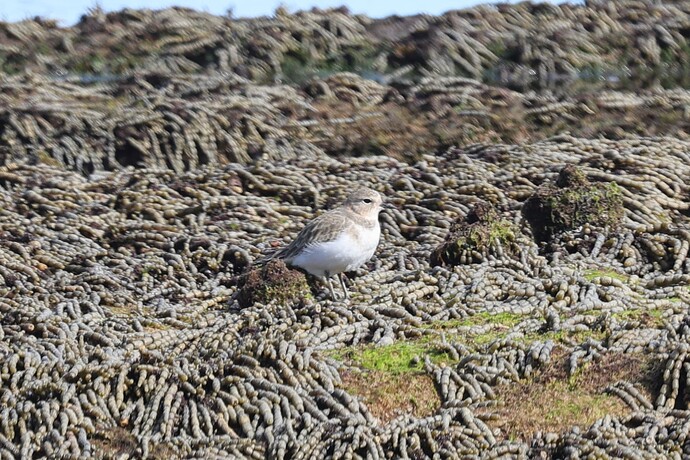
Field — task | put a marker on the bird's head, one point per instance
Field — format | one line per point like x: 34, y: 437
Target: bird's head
x: 365, y: 202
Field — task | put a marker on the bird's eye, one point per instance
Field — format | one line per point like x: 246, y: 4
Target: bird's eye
x: 367, y: 200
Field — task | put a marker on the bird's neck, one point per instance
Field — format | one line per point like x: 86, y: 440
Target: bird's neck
x: 368, y: 221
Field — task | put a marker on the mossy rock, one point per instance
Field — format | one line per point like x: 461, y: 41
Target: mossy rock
x: 572, y: 202
x: 274, y: 282
x: 474, y: 237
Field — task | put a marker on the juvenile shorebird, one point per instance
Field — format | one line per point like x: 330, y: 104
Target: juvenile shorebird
x: 340, y: 240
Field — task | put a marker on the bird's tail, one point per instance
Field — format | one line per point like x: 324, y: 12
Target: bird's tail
x: 267, y: 257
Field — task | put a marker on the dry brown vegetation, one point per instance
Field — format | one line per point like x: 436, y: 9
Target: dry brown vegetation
x: 117, y: 442
x: 388, y: 395
x: 553, y: 402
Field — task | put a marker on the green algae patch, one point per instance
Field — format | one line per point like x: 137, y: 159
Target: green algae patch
x: 496, y: 326
x: 407, y: 356
x: 472, y: 238
x: 562, y: 337
x: 567, y: 337
x: 646, y: 318
x: 478, y: 319
x: 591, y: 275
x: 504, y: 319
x: 572, y: 202
x: 500, y: 326
x: 400, y: 357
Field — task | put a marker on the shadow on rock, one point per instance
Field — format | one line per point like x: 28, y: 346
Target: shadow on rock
x: 572, y: 202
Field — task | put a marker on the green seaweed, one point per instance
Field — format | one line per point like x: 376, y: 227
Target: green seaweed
x: 590, y: 275
x: 478, y: 319
x: 406, y: 355
x: 396, y: 358
x: 649, y: 317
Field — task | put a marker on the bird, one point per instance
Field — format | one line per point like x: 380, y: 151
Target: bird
x: 340, y: 240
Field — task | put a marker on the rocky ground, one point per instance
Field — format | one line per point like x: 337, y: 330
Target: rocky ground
x: 529, y: 298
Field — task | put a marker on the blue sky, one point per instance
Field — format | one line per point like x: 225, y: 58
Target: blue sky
x: 69, y: 11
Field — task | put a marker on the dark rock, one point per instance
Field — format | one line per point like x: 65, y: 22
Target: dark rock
x: 472, y: 238
x: 571, y: 202
x: 273, y: 282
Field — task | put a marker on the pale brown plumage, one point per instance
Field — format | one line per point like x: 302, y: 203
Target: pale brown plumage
x: 339, y: 240
x: 322, y: 229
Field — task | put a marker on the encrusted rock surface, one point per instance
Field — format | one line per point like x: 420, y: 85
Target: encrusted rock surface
x: 572, y: 202
x: 119, y: 316
x: 149, y: 159
x: 526, y: 45
x: 273, y: 282
x: 180, y: 89
x: 471, y: 239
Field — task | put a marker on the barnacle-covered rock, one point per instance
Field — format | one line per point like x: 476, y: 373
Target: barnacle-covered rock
x: 480, y: 233
x: 573, y: 201
x: 524, y: 45
x: 273, y: 282
x: 141, y: 173
x: 120, y: 308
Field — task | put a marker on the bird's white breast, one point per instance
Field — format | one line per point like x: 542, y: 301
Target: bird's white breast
x: 349, y: 251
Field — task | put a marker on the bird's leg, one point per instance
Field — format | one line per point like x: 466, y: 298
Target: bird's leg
x: 330, y: 285
x: 343, y: 285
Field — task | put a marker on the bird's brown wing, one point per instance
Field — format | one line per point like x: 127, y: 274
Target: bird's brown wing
x: 324, y: 228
